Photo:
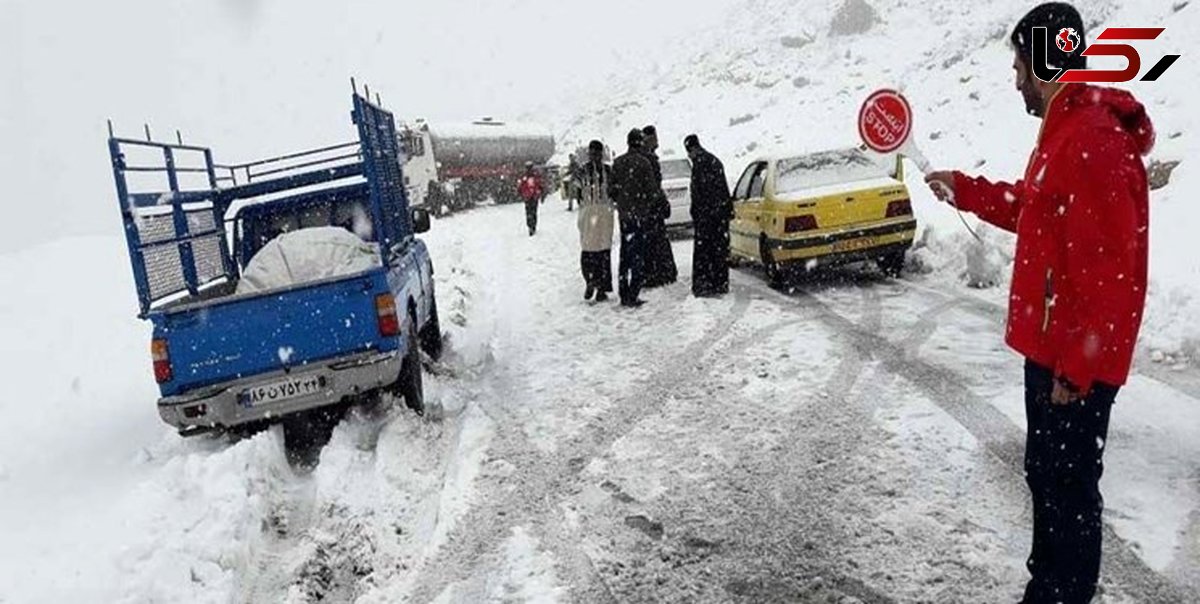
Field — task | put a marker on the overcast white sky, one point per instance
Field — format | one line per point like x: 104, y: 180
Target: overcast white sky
x: 255, y: 77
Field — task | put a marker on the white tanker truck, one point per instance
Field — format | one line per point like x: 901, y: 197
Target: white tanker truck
x: 454, y: 166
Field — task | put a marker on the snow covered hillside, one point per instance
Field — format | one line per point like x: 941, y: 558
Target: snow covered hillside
x: 777, y: 77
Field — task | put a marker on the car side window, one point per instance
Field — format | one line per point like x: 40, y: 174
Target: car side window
x: 758, y: 182
x: 743, y: 187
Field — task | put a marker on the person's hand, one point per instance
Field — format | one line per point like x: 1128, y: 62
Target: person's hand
x: 1064, y: 393
x: 942, y: 185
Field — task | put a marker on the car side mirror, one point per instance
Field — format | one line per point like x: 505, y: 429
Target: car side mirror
x: 420, y: 219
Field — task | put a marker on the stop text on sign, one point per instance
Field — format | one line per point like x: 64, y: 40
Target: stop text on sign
x: 885, y: 121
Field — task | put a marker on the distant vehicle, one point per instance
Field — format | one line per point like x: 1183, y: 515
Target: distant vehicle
x: 677, y: 183
x: 798, y: 213
x: 450, y: 167
x: 225, y: 359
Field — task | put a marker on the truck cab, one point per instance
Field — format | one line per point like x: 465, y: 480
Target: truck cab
x: 420, y: 168
x: 225, y: 356
x: 452, y: 167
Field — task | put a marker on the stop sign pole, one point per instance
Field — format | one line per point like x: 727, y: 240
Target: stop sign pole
x: 885, y: 125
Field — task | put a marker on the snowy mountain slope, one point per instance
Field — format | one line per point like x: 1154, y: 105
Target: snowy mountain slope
x: 778, y: 77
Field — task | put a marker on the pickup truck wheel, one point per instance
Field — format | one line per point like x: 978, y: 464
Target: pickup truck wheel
x: 410, y: 385
x: 431, y: 334
x: 307, y: 432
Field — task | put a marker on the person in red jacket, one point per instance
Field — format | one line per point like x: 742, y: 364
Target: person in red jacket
x: 1078, y: 290
x: 531, y: 189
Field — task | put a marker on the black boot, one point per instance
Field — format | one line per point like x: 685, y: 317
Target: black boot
x: 587, y: 293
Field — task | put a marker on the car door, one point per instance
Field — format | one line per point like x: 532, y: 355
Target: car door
x: 748, y: 209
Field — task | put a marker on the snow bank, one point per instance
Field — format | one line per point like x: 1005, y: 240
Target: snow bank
x: 305, y: 256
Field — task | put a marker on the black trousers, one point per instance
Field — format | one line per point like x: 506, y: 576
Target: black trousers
x: 597, y: 270
x: 660, y: 258
x: 1064, y: 458
x: 531, y: 211
x: 710, y: 259
x: 633, y: 259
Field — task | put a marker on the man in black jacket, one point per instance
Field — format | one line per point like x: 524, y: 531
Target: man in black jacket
x: 711, y: 211
x: 660, y: 259
x: 634, y: 189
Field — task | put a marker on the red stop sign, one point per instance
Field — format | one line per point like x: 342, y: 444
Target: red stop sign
x: 885, y: 120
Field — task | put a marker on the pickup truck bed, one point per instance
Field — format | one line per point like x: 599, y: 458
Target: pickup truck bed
x: 315, y: 344
x: 223, y: 359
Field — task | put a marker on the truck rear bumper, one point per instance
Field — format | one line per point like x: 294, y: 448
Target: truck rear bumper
x: 222, y: 406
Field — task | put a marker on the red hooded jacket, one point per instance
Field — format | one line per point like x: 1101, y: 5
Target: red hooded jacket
x: 1081, y: 218
x: 530, y: 187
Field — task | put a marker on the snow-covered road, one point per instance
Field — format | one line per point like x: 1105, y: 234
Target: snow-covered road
x: 852, y: 439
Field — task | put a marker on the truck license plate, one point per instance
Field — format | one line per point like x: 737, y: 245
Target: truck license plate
x: 854, y: 245
x: 283, y: 390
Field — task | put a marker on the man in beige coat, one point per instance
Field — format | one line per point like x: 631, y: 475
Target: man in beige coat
x: 596, y: 224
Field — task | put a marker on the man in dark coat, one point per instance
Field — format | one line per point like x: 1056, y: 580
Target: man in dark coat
x: 660, y: 259
x: 711, y: 211
x: 634, y: 189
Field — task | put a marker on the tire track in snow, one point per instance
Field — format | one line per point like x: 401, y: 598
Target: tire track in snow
x: 784, y: 568
x: 1186, y: 381
x: 327, y: 542
x: 629, y: 578
x: 995, y: 432
x: 292, y: 517
x: 539, y: 481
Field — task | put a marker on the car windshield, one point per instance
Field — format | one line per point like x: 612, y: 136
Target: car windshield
x: 676, y: 168
x: 827, y: 168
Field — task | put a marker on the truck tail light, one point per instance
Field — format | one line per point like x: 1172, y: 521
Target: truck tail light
x: 902, y: 207
x: 796, y: 224
x: 385, y: 313
x: 162, y: 360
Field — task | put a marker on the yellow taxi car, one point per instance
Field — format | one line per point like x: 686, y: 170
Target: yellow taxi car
x: 797, y: 213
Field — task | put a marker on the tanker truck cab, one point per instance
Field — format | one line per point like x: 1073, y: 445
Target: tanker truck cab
x: 453, y: 167
x: 420, y: 169
x: 229, y: 349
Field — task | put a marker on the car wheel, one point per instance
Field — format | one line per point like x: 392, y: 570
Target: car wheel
x: 770, y: 266
x: 410, y: 384
x: 892, y: 264
x: 431, y: 334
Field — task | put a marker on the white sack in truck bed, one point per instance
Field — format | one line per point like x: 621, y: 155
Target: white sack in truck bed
x: 305, y: 256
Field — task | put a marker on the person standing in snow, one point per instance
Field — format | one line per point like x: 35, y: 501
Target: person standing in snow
x: 660, y: 258
x: 571, y: 187
x: 1078, y: 292
x: 595, y: 223
x: 712, y: 209
x: 634, y: 189
x: 531, y: 189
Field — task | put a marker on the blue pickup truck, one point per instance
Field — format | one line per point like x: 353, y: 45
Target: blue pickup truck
x: 226, y: 359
